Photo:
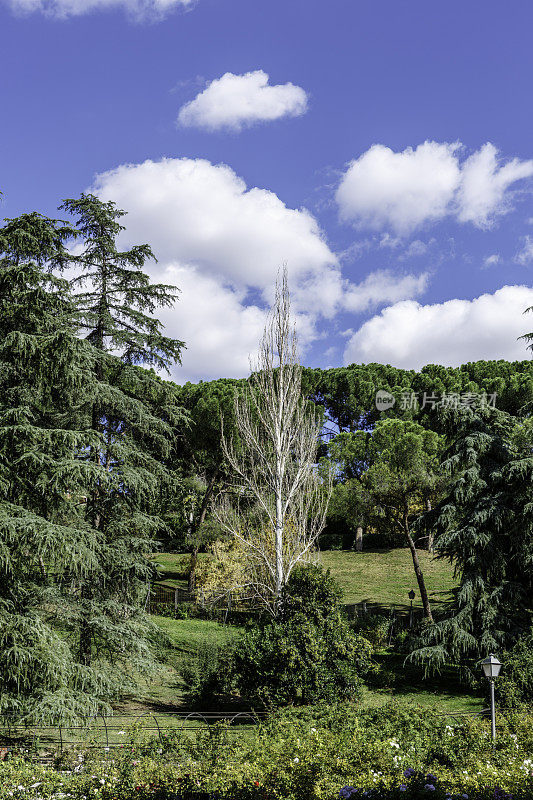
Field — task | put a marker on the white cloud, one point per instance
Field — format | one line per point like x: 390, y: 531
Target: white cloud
x: 417, y: 248
x: 62, y: 9
x: 525, y: 255
x: 382, y: 287
x: 223, y: 245
x: 383, y: 189
x: 403, y: 191
x: 221, y: 333
x: 411, y: 335
x: 192, y: 211
x: 484, y: 184
x: 490, y: 261
x: 238, y: 101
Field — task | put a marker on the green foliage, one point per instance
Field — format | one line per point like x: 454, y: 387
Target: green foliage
x: 320, y: 753
x: 84, y: 436
x: 299, y: 662
x: 515, y: 684
x: 486, y: 531
x: 305, y: 655
x: 310, y: 592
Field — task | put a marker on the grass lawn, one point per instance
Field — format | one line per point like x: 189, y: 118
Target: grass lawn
x: 386, y: 576
x: 382, y: 577
x: 377, y: 576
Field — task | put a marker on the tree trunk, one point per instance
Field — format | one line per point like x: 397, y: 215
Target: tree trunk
x: 431, y: 535
x: 85, y: 629
x: 191, y: 581
x: 418, y: 572
x: 359, y: 539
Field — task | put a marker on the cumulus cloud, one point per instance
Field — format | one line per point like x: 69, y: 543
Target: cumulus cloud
x: 403, y: 191
x: 383, y: 286
x: 237, y: 101
x: 383, y: 189
x: 525, y: 255
x: 410, y: 335
x: 483, y: 191
x: 62, y: 9
x: 223, y: 245
x: 221, y: 332
x: 196, y: 212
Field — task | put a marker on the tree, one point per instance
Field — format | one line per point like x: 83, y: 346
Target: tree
x: 485, y: 528
x: 46, y: 548
x: 273, y: 458
x: 133, y: 415
x: 202, y: 464
x: 397, y: 468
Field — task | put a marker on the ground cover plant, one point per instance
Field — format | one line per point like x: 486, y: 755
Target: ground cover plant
x: 319, y: 752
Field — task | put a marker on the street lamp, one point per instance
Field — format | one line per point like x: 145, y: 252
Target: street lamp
x: 491, y: 668
x: 411, y: 598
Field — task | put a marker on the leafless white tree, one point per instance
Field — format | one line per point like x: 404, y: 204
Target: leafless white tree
x: 273, y: 458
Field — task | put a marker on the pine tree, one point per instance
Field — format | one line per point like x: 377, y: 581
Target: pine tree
x: 485, y: 529
x: 46, y: 376
x: 134, y: 413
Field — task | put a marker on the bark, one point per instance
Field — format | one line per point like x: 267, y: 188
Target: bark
x: 191, y: 581
x: 359, y: 539
x: 431, y: 535
x: 418, y: 572
x: 273, y: 460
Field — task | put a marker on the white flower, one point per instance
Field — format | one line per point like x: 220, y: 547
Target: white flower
x: 121, y: 733
x: 296, y: 760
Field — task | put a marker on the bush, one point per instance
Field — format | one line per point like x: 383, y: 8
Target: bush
x: 308, y: 653
x: 300, y: 662
x: 312, y: 592
x: 326, y: 752
x: 515, y: 684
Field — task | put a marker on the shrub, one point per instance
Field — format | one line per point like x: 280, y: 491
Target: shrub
x: 326, y: 752
x: 308, y: 653
x: 300, y: 662
x: 515, y: 684
x: 310, y: 591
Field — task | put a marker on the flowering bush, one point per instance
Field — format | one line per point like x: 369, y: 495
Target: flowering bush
x: 321, y: 753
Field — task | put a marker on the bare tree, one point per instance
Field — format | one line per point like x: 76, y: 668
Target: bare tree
x: 273, y: 458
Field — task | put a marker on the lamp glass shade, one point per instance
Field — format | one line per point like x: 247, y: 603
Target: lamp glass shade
x: 491, y: 666
x: 411, y: 595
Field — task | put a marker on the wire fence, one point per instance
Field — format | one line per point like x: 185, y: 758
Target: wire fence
x: 106, y: 733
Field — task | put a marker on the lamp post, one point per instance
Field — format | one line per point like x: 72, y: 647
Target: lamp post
x: 491, y: 668
x: 411, y: 598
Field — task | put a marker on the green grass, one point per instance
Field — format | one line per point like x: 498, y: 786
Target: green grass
x: 379, y: 577
x: 375, y: 576
x: 386, y: 576
x: 187, y: 635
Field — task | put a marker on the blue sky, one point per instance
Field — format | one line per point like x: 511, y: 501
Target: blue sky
x: 383, y: 150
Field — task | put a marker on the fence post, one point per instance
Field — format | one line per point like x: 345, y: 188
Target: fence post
x: 175, y: 601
